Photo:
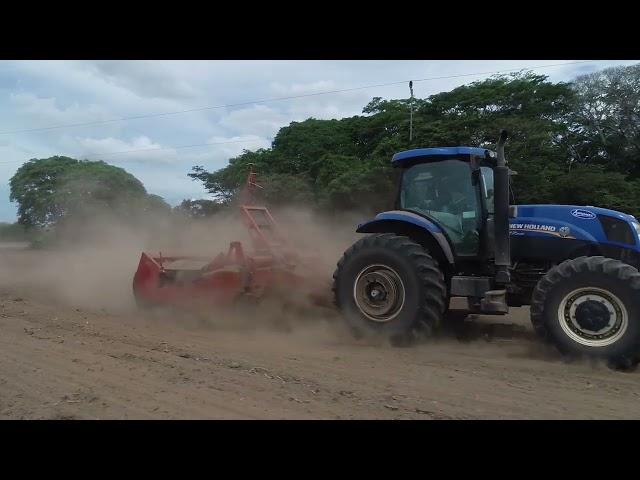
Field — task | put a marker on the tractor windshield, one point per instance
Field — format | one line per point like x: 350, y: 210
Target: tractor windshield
x: 444, y: 191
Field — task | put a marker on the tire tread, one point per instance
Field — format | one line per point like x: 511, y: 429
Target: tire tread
x: 564, y: 271
x: 425, y: 266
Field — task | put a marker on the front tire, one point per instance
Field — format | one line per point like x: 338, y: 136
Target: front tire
x: 388, y: 284
x: 590, y: 306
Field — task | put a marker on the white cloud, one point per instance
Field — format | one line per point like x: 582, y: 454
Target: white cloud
x: 257, y: 119
x: 147, y: 79
x: 37, y: 112
x: 229, y: 147
x: 109, y: 149
x: 291, y: 89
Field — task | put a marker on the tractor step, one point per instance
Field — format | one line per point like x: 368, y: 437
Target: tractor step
x: 494, y: 303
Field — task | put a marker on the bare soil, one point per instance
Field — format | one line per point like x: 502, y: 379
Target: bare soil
x: 84, y: 352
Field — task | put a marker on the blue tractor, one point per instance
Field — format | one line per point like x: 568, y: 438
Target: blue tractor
x: 453, y: 233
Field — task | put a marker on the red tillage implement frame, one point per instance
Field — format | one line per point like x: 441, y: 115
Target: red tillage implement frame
x: 273, y: 268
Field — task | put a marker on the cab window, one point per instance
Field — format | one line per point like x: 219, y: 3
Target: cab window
x: 444, y: 191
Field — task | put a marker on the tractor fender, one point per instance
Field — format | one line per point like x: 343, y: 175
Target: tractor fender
x: 415, y: 227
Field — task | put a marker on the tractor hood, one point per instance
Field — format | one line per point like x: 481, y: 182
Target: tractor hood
x: 576, y: 211
x: 575, y: 222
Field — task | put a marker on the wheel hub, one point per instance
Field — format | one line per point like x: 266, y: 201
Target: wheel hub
x: 376, y: 292
x: 593, y: 317
x: 379, y: 293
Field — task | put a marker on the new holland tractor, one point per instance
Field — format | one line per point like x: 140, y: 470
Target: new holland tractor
x: 453, y: 233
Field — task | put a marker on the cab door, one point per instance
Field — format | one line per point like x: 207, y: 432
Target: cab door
x: 444, y: 192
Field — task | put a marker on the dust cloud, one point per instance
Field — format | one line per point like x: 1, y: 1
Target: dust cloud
x: 90, y: 264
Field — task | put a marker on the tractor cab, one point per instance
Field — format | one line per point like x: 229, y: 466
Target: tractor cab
x: 454, y: 203
x: 453, y: 188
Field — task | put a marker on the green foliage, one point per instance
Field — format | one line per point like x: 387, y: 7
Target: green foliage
x: 532, y: 109
x: 153, y: 204
x: 285, y: 188
x: 48, y: 190
x: 586, y: 183
x: 198, y: 208
x: 605, y: 121
x: 34, y: 187
x: 561, y: 134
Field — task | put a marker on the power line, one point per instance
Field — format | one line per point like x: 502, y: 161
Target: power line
x: 177, y: 147
x: 171, y: 148
x: 261, y: 101
x: 275, y: 99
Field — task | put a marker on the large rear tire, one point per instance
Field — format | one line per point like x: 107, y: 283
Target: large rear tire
x: 388, y: 284
x: 590, y: 307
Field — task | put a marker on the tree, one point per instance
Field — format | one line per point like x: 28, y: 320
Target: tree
x: 555, y: 127
x: 594, y: 185
x: 531, y: 108
x: 155, y: 204
x: 50, y: 189
x: 225, y: 183
x: 346, y: 163
x: 199, y: 208
x: 605, y: 123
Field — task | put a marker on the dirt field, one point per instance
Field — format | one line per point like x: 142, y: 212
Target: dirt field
x: 64, y: 355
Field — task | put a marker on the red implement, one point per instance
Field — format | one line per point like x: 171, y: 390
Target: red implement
x: 272, y: 268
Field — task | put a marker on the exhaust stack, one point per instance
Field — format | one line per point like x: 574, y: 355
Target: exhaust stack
x: 502, y: 252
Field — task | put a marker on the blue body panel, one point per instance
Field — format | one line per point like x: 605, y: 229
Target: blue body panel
x: 545, y: 222
x: 438, y: 154
x: 566, y: 222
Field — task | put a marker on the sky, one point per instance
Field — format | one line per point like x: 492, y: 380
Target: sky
x: 37, y: 95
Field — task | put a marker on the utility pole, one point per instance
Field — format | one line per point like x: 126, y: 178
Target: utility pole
x: 411, y: 117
